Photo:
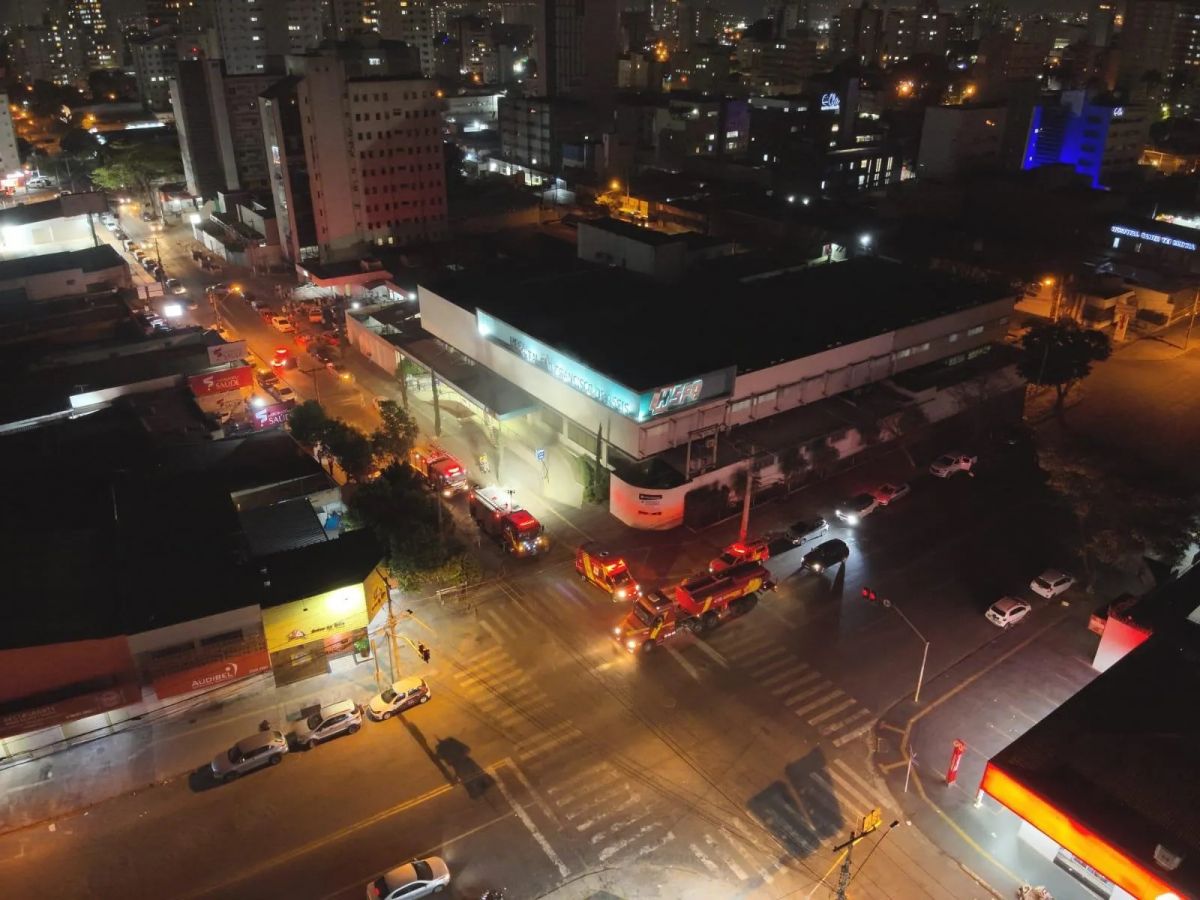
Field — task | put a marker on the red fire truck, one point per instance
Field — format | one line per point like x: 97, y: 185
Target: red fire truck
x: 440, y: 470
x: 606, y: 571
x: 517, y: 531
x: 699, y: 603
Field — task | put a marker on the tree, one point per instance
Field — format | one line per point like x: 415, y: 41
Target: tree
x: 308, y: 422
x: 138, y: 166
x: 349, y: 447
x: 1123, y: 515
x: 79, y: 143
x: 1060, y: 355
x: 396, y: 434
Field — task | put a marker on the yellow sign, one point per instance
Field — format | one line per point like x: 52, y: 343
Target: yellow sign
x: 315, y: 618
x: 872, y: 820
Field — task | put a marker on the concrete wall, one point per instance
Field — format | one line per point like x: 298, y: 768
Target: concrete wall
x: 68, y: 282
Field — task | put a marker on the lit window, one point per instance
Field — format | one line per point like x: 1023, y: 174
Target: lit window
x: 971, y: 332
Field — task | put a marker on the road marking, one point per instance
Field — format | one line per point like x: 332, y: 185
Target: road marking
x: 737, y: 870
x: 609, y: 830
x: 603, y: 795
x: 848, y: 789
x: 807, y: 678
x: 651, y: 848
x: 491, y: 630
x: 314, y: 845
x: 745, y: 856
x: 849, y: 772
x: 783, y: 674
x: 829, y: 713
x: 708, y: 863
x: 600, y: 769
x: 547, y: 741
x: 831, y: 727
x: 563, y: 871
x: 483, y: 657
x: 807, y: 692
x: 687, y: 666
x: 591, y: 790
x: 843, y: 739
x: 607, y: 853
x: 820, y: 701
x: 712, y: 654
x: 761, y: 670
x: 537, y: 798
x: 599, y: 809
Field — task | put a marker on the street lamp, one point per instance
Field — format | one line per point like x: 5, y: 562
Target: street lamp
x: 872, y: 597
x: 864, y: 240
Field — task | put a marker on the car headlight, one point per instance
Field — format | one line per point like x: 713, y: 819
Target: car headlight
x: 617, y: 631
x: 620, y: 593
x: 630, y: 644
x: 851, y: 518
x: 816, y: 567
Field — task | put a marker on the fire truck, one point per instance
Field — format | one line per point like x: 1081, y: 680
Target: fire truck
x: 699, y: 603
x: 606, y: 571
x: 517, y: 531
x: 440, y: 470
x: 741, y: 552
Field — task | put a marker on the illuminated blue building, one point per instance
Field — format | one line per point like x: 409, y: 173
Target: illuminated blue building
x: 1099, y: 139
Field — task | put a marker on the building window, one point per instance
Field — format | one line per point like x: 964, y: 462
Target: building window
x: 971, y: 332
x: 953, y: 337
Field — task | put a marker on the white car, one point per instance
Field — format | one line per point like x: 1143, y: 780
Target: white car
x: 889, y: 493
x: 1007, y: 611
x: 284, y: 394
x: 405, y: 693
x: 856, y: 508
x: 951, y: 464
x: 1051, y: 583
x: 419, y: 878
x: 283, y: 323
x: 175, y: 286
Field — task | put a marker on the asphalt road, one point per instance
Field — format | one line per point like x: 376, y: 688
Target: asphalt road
x: 547, y: 751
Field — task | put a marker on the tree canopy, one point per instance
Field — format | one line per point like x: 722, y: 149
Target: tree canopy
x: 307, y: 422
x: 1060, y: 355
x: 137, y: 166
x: 396, y: 434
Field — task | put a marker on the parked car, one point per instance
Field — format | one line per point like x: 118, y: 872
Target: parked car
x: 266, y: 378
x: 741, y: 552
x: 266, y: 748
x: 149, y: 264
x: 147, y: 216
x: 1007, y: 611
x: 175, y: 286
x: 825, y: 556
x: 120, y: 235
x: 321, y: 355
x: 284, y: 394
x: 1051, y: 583
x: 856, y: 508
x: 403, y: 694
x: 331, y: 338
x: 807, y: 530
x: 340, y: 371
x: 951, y: 464
x: 343, y: 717
x: 39, y: 181
x: 130, y: 246
x: 886, y: 494
x: 282, y: 323
x: 419, y: 878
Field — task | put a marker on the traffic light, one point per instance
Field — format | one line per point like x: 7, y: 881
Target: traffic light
x: 423, y: 651
x: 869, y: 595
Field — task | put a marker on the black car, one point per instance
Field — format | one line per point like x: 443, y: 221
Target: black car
x: 826, y: 556
x: 807, y: 530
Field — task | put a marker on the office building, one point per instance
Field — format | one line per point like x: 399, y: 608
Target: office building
x: 960, y: 139
x: 1103, y: 140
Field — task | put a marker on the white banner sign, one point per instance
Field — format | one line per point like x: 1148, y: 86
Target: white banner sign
x: 225, y: 353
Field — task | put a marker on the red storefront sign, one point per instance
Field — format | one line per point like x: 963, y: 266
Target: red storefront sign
x: 220, y: 382
x: 212, y: 674
x: 69, y: 709
x: 271, y: 416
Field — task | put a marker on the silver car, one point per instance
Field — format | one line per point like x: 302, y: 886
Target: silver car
x: 418, y: 878
x: 343, y: 717
x: 266, y: 748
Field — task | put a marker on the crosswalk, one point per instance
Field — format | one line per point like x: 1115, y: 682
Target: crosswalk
x: 834, y: 715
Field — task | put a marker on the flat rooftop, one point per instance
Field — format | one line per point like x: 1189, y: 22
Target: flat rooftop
x: 1119, y: 758
x: 91, y: 259
x: 644, y: 334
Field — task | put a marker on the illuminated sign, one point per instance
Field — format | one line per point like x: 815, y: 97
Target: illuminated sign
x: 220, y: 382
x: 830, y: 102
x: 1154, y: 238
x: 675, y: 396
x: 1118, y: 112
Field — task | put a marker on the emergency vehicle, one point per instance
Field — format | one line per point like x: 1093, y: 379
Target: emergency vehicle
x: 517, y: 531
x: 606, y: 571
x: 741, y: 552
x: 699, y: 604
x: 441, y: 471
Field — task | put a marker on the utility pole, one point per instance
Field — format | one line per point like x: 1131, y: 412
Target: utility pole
x: 437, y: 412
x: 744, y: 527
x: 870, y: 824
x: 870, y: 596
x: 1191, y: 320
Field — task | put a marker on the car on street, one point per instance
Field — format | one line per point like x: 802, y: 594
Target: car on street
x: 321, y: 355
x: 147, y: 216
x: 175, y: 286
x: 403, y: 694
x: 1007, y: 611
x: 951, y: 464
x: 280, y: 359
x: 284, y: 394
x: 331, y: 338
x: 340, y: 370
x: 887, y: 494
x: 856, y: 509
x: 343, y: 717
x: 807, y: 530
x: 1051, y: 583
x: 39, y: 182
x: 266, y: 378
x: 825, y: 556
x: 266, y: 748
x: 283, y: 324
x: 419, y: 878
x: 741, y: 552
x: 120, y: 235
x: 130, y: 246
x: 149, y: 264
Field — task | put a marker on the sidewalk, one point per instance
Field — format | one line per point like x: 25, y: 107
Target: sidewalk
x: 987, y: 700
x: 159, y: 748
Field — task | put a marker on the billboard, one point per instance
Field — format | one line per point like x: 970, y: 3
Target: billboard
x: 227, y: 353
x: 221, y: 382
x: 271, y: 416
x: 315, y: 618
x: 212, y: 674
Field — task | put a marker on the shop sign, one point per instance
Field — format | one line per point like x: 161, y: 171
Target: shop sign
x: 227, y: 353
x: 212, y: 674
x: 675, y: 396
x: 221, y: 382
x: 830, y: 102
x: 270, y: 416
x: 68, y: 710
x: 1153, y: 238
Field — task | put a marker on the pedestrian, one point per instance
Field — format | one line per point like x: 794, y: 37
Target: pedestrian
x: 264, y: 725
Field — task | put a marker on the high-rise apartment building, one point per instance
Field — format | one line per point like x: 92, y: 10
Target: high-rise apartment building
x: 370, y: 134
x: 858, y: 33
x: 10, y: 159
x: 577, y: 46
x: 87, y: 19
x: 1161, y: 36
x: 351, y: 17
x: 410, y: 21
x: 287, y: 168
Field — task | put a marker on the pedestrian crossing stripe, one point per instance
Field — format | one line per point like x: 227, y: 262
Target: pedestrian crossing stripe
x: 610, y: 830
x: 820, y: 701
x: 832, y: 727
x: 831, y: 712
x: 849, y: 772
x: 588, y: 798
x: 808, y: 692
x: 768, y: 658
x: 612, y: 849
x: 843, y: 739
x: 600, y: 769
x: 549, y: 742
x: 737, y: 870
x: 783, y: 674
x: 807, y: 678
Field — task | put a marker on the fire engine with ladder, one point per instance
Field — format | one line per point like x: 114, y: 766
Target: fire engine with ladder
x: 699, y: 604
x: 497, y: 515
x: 441, y: 471
x: 608, y: 572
